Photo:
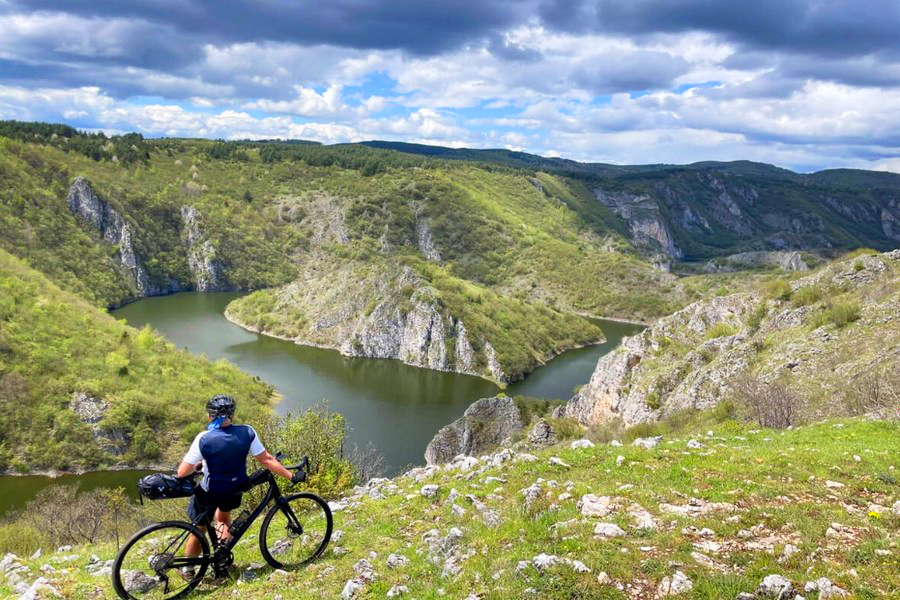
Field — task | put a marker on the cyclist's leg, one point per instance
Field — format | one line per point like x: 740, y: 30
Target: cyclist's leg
x: 223, y: 522
x: 224, y: 506
x: 196, y: 511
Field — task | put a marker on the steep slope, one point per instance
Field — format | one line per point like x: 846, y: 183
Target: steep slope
x: 112, y: 232
x: 379, y: 309
x: 821, y: 337
x: 708, y: 209
x: 79, y: 389
x: 493, y: 246
x: 704, y: 518
x: 491, y: 250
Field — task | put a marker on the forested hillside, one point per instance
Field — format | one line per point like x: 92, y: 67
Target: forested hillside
x: 79, y: 389
x: 473, y: 261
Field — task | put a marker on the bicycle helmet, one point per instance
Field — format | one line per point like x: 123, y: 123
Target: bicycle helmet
x: 220, y: 406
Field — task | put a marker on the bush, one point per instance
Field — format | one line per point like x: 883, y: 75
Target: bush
x: 759, y: 313
x: 720, y: 330
x: 318, y: 434
x: 779, y: 289
x: 67, y: 516
x: 843, y: 313
x: 839, y: 314
x: 606, y: 432
x: 875, y: 392
x: 808, y: 294
x: 769, y: 405
x: 566, y: 428
x: 22, y: 539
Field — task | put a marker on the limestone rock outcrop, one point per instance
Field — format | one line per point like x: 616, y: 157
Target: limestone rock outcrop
x: 205, y: 267
x: 112, y: 228
x: 695, y: 358
x: 486, y: 424
x: 372, y: 311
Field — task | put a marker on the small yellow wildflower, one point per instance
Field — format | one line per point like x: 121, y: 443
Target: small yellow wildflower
x: 874, y: 515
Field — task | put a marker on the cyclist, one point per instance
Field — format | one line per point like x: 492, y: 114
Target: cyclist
x: 220, y: 452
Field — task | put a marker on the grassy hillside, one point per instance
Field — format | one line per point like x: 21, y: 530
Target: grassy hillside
x: 36, y: 223
x: 819, y: 344
x: 718, y: 208
x: 141, y: 399
x: 808, y: 503
x: 536, y: 235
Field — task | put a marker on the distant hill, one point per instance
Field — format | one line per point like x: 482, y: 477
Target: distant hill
x: 707, y: 209
x: 507, y: 243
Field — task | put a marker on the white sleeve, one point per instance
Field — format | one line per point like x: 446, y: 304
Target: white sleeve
x: 193, y: 456
x: 256, y: 446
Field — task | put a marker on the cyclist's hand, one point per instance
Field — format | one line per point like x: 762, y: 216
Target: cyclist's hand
x: 298, y: 477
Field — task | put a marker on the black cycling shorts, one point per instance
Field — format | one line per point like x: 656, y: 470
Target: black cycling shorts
x: 204, y: 503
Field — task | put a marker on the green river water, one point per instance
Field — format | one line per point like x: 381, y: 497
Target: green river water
x: 395, y: 407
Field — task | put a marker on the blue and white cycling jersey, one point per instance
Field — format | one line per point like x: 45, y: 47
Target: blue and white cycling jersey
x: 223, y: 452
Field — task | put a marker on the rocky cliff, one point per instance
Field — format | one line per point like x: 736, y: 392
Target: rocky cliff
x: 487, y: 424
x: 720, y: 209
x: 815, y: 334
x: 206, y: 268
x: 121, y: 238
x: 648, y: 227
x: 383, y: 310
x: 113, y: 230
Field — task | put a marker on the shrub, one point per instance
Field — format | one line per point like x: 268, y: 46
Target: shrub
x: 22, y: 539
x: 318, y: 434
x: 566, y: 428
x: 643, y: 430
x: 808, y: 294
x: 606, y: 432
x: 531, y: 408
x: 874, y: 392
x: 843, y: 313
x: 769, y: 405
x: 720, y: 330
x: 839, y: 314
x: 67, y: 516
x: 779, y: 289
x: 759, y: 313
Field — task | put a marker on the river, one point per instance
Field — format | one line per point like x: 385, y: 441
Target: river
x: 395, y: 407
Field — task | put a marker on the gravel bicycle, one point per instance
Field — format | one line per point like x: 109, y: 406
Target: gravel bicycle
x: 295, y: 531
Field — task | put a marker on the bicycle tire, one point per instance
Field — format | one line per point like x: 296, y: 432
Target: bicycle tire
x: 279, y: 509
x: 203, y: 563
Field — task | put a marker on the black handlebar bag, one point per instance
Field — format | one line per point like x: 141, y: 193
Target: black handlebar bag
x: 160, y: 486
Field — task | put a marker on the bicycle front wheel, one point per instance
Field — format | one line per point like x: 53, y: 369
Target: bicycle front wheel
x: 153, y: 565
x: 295, y: 531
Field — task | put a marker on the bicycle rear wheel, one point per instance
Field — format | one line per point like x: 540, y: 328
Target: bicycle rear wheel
x: 152, y: 564
x: 295, y: 531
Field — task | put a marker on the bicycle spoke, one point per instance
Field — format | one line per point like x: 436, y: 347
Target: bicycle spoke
x: 155, y: 564
x: 297, y: 531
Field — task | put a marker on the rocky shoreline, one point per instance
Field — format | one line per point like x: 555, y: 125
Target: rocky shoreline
x: 346, y: 350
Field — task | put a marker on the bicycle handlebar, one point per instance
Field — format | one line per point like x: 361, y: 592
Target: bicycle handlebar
x: 303, y: 464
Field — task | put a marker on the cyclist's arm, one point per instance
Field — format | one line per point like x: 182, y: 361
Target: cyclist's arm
x: 192, y: 459
x: 186, y: 468
x: 272, y: 464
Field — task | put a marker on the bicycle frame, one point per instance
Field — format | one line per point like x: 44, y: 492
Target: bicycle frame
x: 273, y: 494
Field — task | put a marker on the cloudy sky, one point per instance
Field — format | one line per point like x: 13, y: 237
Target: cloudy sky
x: 805, y: 84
